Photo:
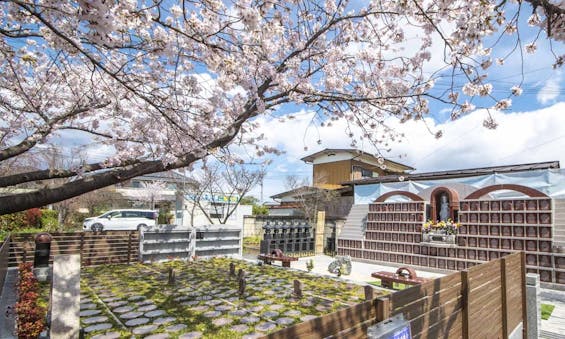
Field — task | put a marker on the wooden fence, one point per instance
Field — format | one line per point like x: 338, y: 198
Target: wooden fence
x: 486, y: 301
x: 95, y: 248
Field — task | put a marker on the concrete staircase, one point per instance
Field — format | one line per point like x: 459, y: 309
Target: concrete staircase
x: 356, y: 223
x: 559, y: 223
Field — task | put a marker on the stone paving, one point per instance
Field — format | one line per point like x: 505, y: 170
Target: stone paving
x: 115, y: 305
x: 554, y: 327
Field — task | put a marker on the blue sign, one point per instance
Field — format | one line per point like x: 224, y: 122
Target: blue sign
x: 392, y: 328
x: 403, y: 333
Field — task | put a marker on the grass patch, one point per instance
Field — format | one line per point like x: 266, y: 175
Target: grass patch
x: 254, y: 240
x: 546, y: 310
x: 199, y: 283
x: 395, y: 285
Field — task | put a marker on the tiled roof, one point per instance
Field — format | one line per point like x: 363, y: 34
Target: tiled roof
x: 457, y: 173
x: 311, y: 157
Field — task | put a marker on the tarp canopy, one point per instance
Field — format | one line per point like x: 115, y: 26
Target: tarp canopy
x: 548, y: 181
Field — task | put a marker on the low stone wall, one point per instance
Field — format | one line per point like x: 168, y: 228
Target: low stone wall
x: 4, y: 256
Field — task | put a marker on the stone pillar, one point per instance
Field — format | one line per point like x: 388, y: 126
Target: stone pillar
x: 242, y: 284
x: 232, y: 269
x: 533, y: 305
x: 319, y: 235
x: 240, y: 274
x: 297, y: 288
x: 172, y: 276
x: 65, y: 297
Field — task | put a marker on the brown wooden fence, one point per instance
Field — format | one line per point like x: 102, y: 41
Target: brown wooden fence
x: 95, y: 248
x: 486, y: 301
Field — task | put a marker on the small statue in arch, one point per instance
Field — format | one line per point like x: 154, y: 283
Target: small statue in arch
x: 444, y: 208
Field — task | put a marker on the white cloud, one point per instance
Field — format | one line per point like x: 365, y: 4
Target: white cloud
x: 521, y: 137
x: 550, y: 89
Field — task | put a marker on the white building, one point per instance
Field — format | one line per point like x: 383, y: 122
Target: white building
x: 216, y: 206
x: 164, y: 191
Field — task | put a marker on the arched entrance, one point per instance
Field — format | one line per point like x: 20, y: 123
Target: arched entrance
x: 444, y: 204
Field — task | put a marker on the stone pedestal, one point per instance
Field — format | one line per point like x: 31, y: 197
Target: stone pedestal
x: 65, y: 300
x: 533, y: 305
x: 438, y: 237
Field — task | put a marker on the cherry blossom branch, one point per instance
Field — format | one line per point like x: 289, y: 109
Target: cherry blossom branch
x: 56, y: 173
x: 29, y: 142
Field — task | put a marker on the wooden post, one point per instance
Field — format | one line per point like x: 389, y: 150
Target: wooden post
x: 465, y: 303
x: 129, y: 246
x: 383, y: 308
x: 369, y: 292
x: 524, y: 301
x: 81, y: 245
x: 504, y: 300
x: 319, y: 235
x: 171, y: 280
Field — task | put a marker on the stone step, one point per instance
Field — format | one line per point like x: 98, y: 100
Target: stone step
x: 544, y: 334
x: 354, y: 225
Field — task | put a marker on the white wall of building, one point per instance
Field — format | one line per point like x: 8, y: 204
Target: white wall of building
x: 195, y: 217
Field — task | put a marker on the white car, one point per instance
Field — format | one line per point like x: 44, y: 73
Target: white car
x: 119, y: 220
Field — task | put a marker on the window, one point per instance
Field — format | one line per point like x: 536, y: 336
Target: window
x: 362, y: 172
x: 149, y: 214
x: 216, y: 210
x: 117, y: 214
x: 365, y: 173
x: 132, y: 214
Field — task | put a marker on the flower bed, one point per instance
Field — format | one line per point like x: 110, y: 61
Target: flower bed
x: 442, y: 231
x: 448, y: 227
x: 30, y: 315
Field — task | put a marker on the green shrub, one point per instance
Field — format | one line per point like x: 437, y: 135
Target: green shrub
x: 49, y: 219
x: 254, y: 240
x: 260, y: 210
x: 164, y: 217
x: 13, y: 222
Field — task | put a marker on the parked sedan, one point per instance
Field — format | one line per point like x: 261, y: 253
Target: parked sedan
x: 127, y: 219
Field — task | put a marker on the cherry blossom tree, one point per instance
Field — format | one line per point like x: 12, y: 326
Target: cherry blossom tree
x: 164, y: 84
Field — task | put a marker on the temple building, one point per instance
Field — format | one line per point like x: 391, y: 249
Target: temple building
x: 452, y: 220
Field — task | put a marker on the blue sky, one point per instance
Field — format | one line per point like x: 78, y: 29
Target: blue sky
x: 532, y: 130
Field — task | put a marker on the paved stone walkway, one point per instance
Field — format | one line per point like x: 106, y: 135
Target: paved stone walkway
x: 360, y: 271
x: 110, y: 306
x: 7, y: 304
x: 554, y: 327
